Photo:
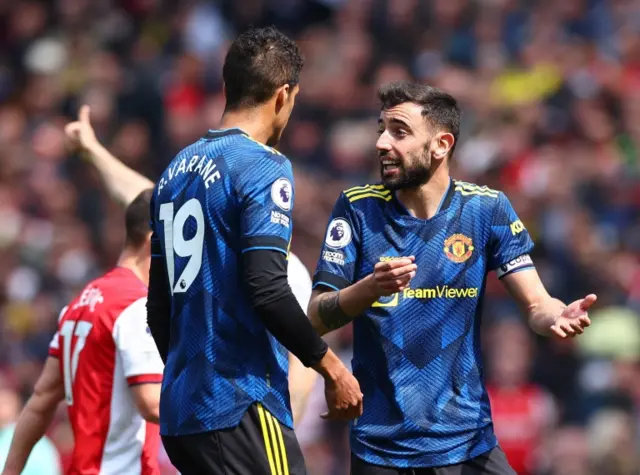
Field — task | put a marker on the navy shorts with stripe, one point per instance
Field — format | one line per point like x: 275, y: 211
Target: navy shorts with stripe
x: 259, y: 445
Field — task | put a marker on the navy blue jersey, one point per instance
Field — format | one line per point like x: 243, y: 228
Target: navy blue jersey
x: 417, y: 353
x: 220, y: 197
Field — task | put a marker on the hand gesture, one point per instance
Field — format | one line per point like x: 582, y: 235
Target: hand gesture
x: 574, y: 319
x: 393, y: 276
x: 344, y: 398
x: 80, y: 132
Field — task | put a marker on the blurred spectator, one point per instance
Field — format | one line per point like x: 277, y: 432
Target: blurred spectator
x: 567, y: 453
x: 613, y: 443
x: 523, y: 413
x: 551, y: 99
x: 44, y: 458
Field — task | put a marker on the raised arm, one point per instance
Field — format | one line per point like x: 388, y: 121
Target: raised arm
x: 123, y: 184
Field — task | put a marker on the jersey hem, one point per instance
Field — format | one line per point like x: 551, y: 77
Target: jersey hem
x: 437, y: 461
x: 204, y: 429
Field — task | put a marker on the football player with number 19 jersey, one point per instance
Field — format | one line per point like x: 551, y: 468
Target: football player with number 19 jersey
x: 407, y: 260
x: 220, y: 308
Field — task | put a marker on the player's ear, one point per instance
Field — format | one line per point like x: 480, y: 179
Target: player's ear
x: 147, y: 244
x: 282, y: 97
x: 444, y: 144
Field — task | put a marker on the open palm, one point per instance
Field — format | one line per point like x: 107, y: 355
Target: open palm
x: 574, y: 319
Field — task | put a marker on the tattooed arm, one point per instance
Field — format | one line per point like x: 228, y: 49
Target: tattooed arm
x: 330, y: 309
x: 325, y: 311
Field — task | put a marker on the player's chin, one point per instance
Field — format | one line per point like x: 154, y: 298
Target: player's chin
x: 392, y: 183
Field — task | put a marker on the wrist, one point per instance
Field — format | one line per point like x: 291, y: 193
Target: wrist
x: 541, y: 323
x: 369, y: 288
x: 88, y: 151
x: 330, y: 367
x: 92, y: 146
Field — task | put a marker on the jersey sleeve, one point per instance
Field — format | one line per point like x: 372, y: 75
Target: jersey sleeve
x: 341, y: 248
x: 510, y: 242
x: 140, y: 359
x: 266, y: 196
x: 54, y: 345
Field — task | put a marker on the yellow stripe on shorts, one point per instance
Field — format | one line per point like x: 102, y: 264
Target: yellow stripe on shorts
x: 283, y: 449
x: 267, y: 442
x: 274, y: 442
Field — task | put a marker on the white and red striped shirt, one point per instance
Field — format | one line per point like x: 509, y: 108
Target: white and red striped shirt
x: 104, y: 346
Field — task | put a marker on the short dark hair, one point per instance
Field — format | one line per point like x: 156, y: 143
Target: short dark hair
x: 136, y: 219
x: 258, y: 62
x: 438, y: 107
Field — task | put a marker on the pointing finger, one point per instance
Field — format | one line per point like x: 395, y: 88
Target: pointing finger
x: 84, y: 114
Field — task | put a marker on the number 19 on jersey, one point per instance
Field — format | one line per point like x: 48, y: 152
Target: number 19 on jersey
x: 176, y: 244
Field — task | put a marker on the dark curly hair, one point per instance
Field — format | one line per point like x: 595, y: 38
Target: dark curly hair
x: 438, y: 108
x: 258, y: 62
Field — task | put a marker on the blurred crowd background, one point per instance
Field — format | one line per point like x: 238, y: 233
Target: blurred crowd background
x: 550, y: 91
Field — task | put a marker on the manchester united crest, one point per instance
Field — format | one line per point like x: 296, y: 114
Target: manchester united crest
x: 458, y: 248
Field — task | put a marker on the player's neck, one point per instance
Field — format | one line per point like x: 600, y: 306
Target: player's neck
x: 423, y: 202
x: 251, y: 121
x: 130, y: 259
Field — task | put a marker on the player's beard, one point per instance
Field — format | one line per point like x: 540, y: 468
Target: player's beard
x: 416, y: 172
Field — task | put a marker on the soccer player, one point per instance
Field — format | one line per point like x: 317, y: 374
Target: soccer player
x: 219, y: 304
x: 123, y: 184
x: 407, y: 261
x: 104, y: 363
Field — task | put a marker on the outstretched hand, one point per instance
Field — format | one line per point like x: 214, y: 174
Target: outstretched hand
x: 574, y: 319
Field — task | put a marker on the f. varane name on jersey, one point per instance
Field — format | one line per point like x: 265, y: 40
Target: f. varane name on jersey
x: 220, y: 197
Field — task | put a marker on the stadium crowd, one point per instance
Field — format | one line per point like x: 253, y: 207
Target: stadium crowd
x: 551, y: 99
